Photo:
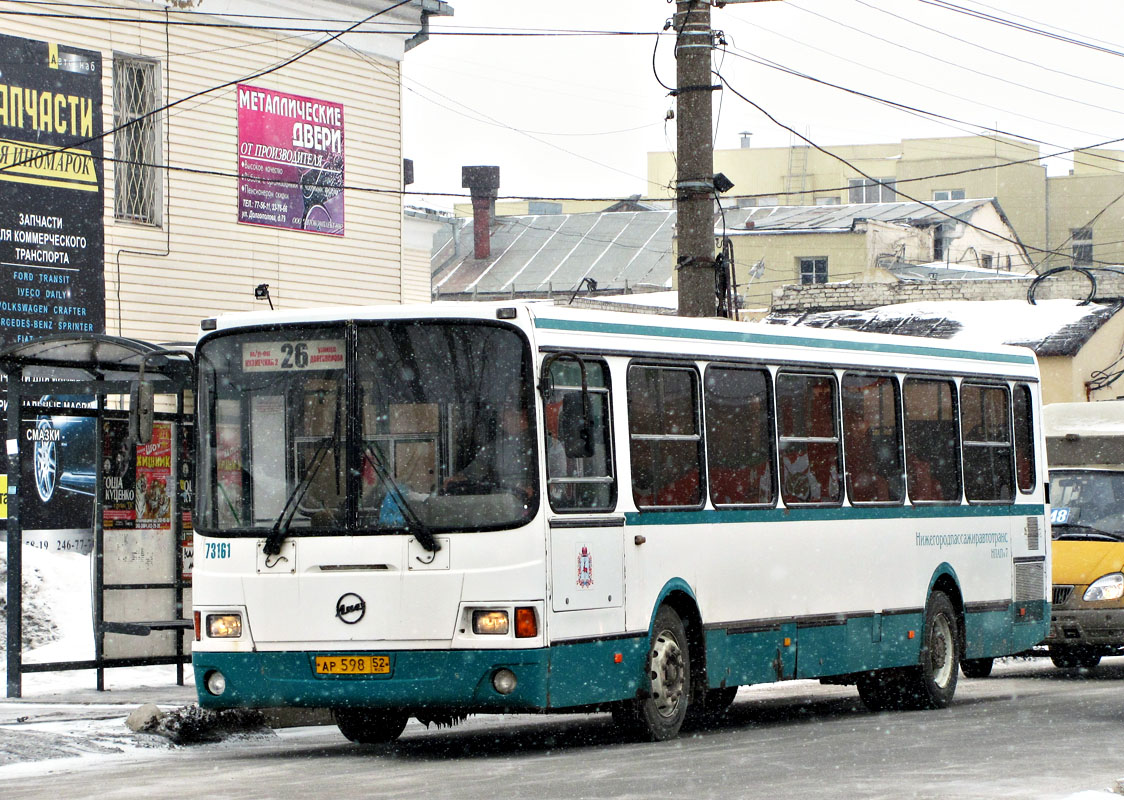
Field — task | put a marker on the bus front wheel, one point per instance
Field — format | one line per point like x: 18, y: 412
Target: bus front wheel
x: 660, y: 714
x: 368, y: 726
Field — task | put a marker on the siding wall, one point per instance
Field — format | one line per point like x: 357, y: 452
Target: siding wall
x: 161, y: 281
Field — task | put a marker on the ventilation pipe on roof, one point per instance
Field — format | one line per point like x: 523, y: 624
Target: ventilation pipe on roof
x: 483, y: 184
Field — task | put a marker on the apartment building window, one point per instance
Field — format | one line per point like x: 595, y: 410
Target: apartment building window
x: 987, y: 261
x: 864, y: 190
x: 948, y: 194
x: 136, y: 143
x: 1082, y: 245
x: 813, y: 270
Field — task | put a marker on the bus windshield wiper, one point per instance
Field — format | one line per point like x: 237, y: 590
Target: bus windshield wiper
x: 1087, y: 532
x: 280, y: 529
x: 272, y: 546
x: 414, y: 525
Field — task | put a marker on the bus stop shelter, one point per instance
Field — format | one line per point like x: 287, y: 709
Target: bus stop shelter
x: 139, y: 495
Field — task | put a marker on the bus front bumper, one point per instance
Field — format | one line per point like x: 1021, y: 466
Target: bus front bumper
x: 429, y: 679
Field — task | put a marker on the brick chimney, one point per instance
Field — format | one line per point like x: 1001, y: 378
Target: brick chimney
x: 483, y: 183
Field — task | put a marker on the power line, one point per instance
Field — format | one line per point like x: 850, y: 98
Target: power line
x: 1004, y: 54
x: 947, y: 6
x: 916, y: 110
x: 963, y: 67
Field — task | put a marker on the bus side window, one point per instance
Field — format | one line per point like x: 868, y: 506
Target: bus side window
x: 932, y: 441
x: 665, y: 439
x: 988, y: 455
x: 808, y: 433
x: 872, y: 438
x: 1024, y: 438
x: 579, y: 484
x: 740, y: 458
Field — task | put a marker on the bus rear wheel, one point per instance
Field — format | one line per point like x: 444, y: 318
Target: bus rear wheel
x: 932, y: 683
x: 659, y: 715
x: 368, y: 726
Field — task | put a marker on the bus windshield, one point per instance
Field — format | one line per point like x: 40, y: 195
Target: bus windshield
x: 1087, y: 504
x: 389, y: 427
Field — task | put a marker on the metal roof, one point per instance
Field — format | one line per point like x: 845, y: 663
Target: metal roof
x: 946, y: 320
x: 771, y: 219
x: 553, y: 253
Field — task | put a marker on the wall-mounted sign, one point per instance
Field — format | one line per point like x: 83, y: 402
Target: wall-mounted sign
x: 51, y: 237
x: 290, y: 161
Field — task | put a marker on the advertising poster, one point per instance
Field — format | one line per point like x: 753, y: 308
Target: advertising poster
x: 58, y: 481
x: 119, y: 477
x: 290, y: 161
x: 154, y: 480
x: 51, y: 237
x: 186, y: 500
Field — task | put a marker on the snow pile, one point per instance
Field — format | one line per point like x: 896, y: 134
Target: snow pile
x: 195, y: 725
x: 39, y: 620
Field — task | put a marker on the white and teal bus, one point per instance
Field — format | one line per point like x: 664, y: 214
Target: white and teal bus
x: 440, y: 510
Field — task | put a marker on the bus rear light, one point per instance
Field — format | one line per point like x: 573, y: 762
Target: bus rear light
x: 526, y: 626
x: 224, y: 626
x: 489, y: 622
x: 198, y: 627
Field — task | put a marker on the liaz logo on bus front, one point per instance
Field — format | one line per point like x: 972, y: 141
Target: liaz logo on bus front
x: 350, y: 608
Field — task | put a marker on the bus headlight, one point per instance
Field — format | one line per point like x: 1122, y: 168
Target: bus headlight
x: 494, y: 622
x: 224, y: 626
x: 1109, y: 587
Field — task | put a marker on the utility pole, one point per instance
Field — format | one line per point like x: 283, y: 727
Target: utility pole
x: 694, y: 185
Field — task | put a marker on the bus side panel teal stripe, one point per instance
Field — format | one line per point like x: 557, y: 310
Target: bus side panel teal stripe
x: 861, y: 643
x: 747, y: 337
x: 989, y: 634
x: 586, y: 672
x: 835, y: 514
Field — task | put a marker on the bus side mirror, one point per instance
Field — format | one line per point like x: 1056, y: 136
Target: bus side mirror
x: 142, y: 410
x: 575, y: 425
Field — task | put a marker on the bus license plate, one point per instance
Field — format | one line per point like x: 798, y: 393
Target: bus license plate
x: 352, y: 665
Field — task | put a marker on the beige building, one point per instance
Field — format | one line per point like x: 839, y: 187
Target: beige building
x: 234, y: 156
x: 868, y: 243
x: 1044, y: 211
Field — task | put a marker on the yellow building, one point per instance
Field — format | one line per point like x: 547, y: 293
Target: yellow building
x: 1044, y: 211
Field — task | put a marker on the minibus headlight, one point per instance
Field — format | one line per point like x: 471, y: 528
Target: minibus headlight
x: 493, y: 622
x: 1109, y: 587
x: 224, y: 626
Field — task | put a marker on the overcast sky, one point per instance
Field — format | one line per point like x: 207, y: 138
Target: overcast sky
x: 576, y: 115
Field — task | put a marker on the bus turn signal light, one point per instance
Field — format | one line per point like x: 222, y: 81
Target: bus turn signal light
x: 526, y: 627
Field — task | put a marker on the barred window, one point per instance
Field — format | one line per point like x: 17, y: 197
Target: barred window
x: 136, y: 143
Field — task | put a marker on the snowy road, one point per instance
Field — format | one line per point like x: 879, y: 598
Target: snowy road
x: 1027, y: 732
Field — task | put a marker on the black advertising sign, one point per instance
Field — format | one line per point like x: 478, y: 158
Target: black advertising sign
x: 51, y: 234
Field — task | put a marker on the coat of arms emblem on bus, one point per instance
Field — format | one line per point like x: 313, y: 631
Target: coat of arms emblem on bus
x: 585, y: 568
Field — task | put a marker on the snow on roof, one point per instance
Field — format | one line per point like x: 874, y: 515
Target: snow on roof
x: 1105, y: 418
x: 1051, y: 327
